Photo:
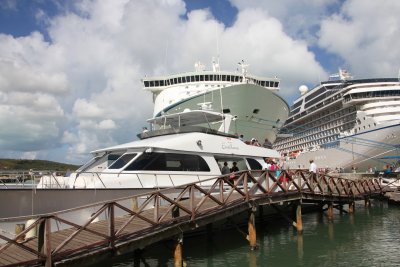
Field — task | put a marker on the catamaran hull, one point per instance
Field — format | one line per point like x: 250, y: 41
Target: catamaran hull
x: 375, y: 148
x: 26, y: 202
x: 259, y: 112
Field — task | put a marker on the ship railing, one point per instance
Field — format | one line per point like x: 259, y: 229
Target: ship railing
x: 19, y: 178
x: 87, y: 179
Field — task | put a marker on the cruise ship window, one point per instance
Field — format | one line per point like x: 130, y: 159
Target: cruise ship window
x: 207, y: 78
x: 175, y: 80
x: 201, y: 78
x: 146, y: 83
x: 151, y: 83
x: 197, y: 78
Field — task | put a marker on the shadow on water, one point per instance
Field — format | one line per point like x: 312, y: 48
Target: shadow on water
x: 370, y: 237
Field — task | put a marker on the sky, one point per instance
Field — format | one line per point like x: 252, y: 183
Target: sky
x: 71, y: 70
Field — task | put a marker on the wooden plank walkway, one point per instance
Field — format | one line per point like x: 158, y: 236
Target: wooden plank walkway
x: 122, y: 228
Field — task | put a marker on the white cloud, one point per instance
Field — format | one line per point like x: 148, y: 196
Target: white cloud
x: 88, y: 75
x: 300, y: 18
x: 81, y: 88
x: 366, y: 34
x: 107, y: 125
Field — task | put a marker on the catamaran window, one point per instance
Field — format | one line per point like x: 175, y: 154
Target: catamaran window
x: 241, y: 163
x: 254, y: 164
x: 111, y: 158
x: 122, y: 161
x: 168, y: 162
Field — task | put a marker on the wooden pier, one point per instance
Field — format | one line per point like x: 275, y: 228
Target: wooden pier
x: 124, y: 225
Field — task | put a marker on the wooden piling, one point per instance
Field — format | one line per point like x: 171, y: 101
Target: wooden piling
x: 351, y: 207
x: 299, y: 221
x: 330, y: 211
x: 252, y: 236
x: 178, y: 258
x: 19, y: 228
x: 134, y: 203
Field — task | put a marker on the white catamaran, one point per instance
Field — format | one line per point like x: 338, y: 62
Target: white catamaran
x: 174, y: 152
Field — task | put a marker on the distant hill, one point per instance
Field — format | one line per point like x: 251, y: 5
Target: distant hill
x: 26, y: 164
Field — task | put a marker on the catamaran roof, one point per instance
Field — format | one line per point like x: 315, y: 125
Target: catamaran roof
x: 196, y: 143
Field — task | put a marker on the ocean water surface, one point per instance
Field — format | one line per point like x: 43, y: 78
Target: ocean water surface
x: 370, y: 237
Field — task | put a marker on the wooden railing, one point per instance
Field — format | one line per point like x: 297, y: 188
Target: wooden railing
x: 130, y: 218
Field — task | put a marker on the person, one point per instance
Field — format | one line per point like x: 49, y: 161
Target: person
x: 234, y: 167
x: 241, y: 138
x: 254, y: 142
x: 353, y: 169
x: 225, y: 169
x: 370, y: 169
x: 313, y: 167
x: 387, y: 170
x: 266, y: 164
x: 267, y: 143
x: 145, y: 130
x: 273, y: 166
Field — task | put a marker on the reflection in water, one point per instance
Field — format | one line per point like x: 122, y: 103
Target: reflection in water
x: 330, y: 231
x: 252, y: 258
x: 300, y: 247
x: 350, y: 240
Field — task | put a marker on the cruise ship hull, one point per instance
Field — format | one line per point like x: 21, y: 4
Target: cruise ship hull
x: 374, y: 149
x: 259, y: 112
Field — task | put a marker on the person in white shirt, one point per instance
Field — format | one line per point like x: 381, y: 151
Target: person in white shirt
x: 267, y: 164
x: 313, y: 166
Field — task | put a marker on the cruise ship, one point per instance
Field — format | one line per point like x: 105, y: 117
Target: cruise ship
x: 344, y: 124
x: 253, y: 101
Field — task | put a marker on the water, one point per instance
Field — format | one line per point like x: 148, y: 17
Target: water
x: 370, y: 237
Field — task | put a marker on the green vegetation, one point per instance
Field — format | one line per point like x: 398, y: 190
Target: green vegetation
x: 25, y: 164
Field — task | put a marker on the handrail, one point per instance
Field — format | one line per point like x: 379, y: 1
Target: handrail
x: 225, y: 191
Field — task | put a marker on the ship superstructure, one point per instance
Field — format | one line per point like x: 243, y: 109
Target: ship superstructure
x: 344, y: 123
x: 254, y: 102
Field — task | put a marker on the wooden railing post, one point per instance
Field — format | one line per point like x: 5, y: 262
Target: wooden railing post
x: 111, y: 225
x: 44, y: 240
